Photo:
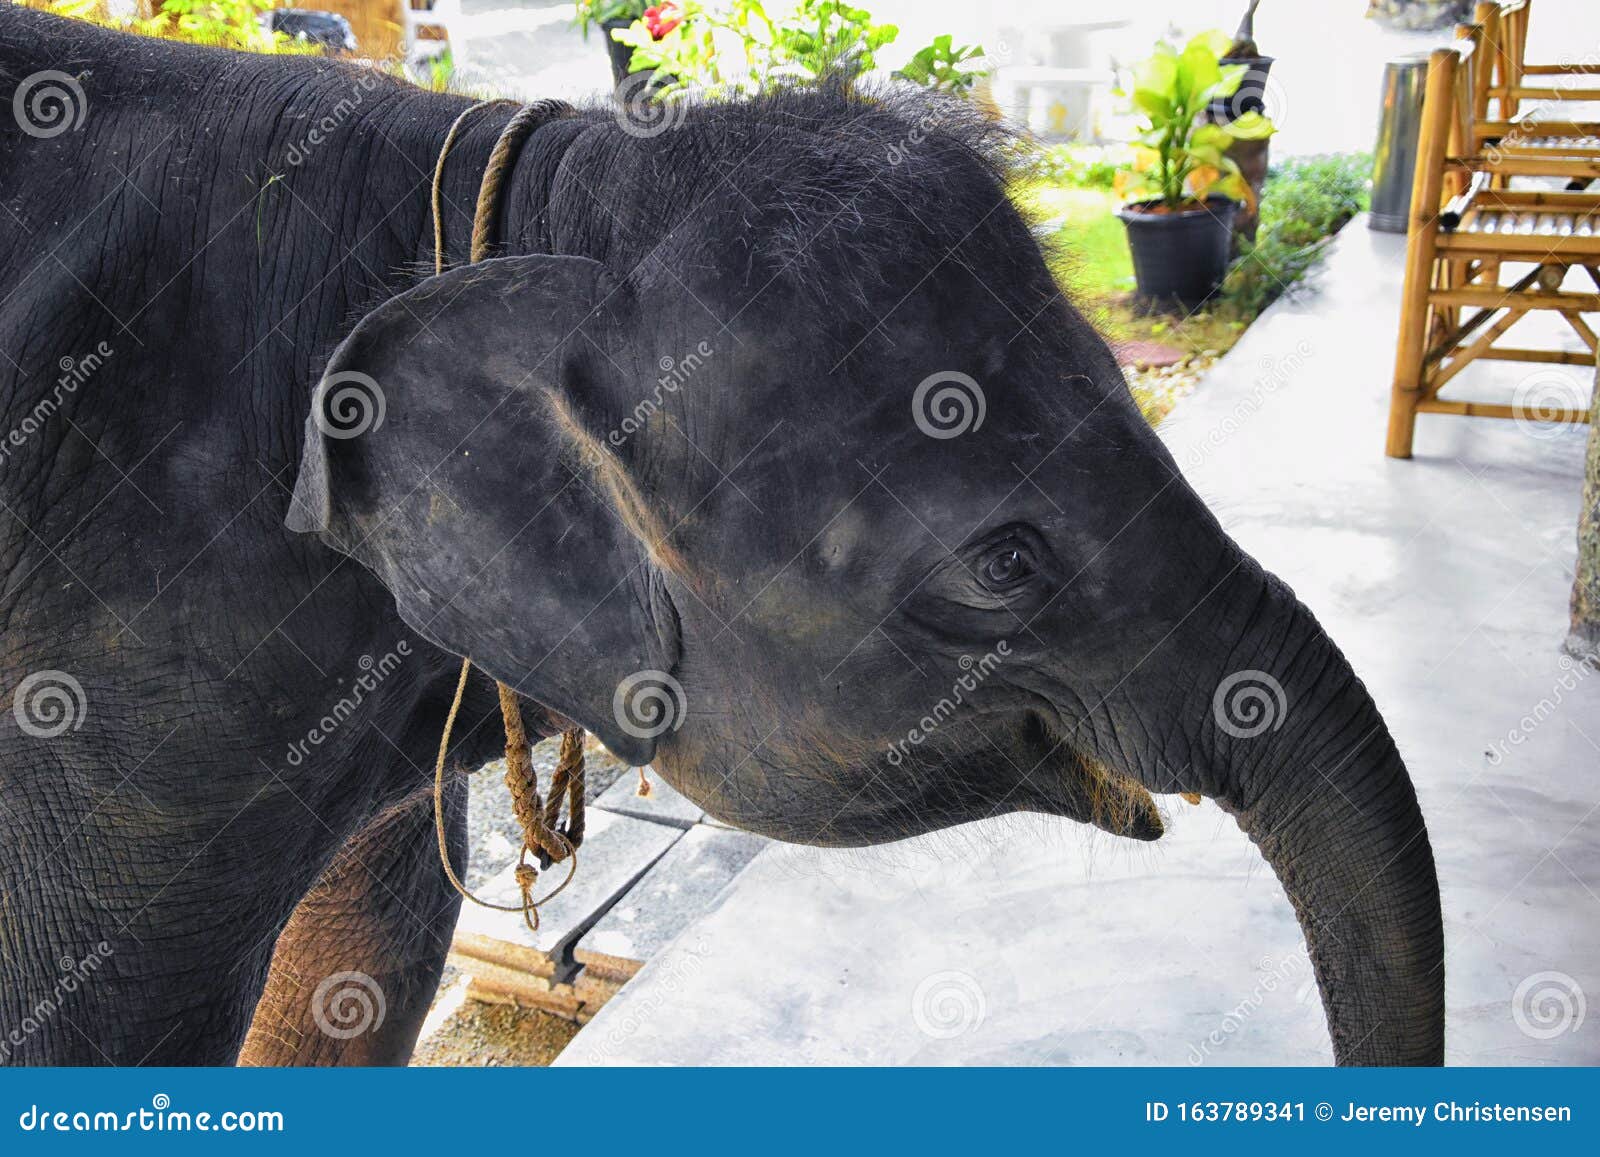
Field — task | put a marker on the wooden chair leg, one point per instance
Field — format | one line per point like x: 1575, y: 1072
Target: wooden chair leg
x: 1438, y: 114
x: 1408, y: 371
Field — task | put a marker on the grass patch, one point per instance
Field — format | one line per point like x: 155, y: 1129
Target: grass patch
x: 1067, y: 193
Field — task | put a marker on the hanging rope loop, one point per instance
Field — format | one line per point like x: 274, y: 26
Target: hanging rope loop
x: 543, y: 838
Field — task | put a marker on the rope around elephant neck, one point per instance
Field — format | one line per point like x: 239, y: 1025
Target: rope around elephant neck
x: 539, y: 819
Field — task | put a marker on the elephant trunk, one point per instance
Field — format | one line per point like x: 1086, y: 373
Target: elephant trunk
x: 1309, y: 770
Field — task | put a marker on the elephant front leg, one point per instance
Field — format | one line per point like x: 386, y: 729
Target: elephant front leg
x: 355, y: 970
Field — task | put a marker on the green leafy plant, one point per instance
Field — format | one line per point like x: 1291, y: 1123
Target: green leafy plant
x: 1303, y: 203
x: 683, y: 54
x: 1181, y: 160
x: 739, y: 46
x: 226, y: 23
x: 438, y: 71
x: 592, y: 13
x: 1073, y: 165
x: 235, y: 23
x: 938, y: 66
x: 828, y: 34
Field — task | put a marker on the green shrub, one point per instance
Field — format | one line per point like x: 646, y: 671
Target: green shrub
x: 1305, y: 201
x: 221, y: 23
x: 799, y: 45
x: 1076, y: 166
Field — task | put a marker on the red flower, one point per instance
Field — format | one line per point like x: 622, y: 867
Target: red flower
x: 662, y: 19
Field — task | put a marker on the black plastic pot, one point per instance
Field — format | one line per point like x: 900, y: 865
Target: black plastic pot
x: 1250, y: 96
x: 620, y: 54
x: 1179, y: 258
x: 642, y: 86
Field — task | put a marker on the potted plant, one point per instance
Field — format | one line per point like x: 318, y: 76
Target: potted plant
x: 1181, y: 233
x: 608, y: 16
x: 1250, y: 95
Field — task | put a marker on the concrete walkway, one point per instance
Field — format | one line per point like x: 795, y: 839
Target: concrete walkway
x: 1035, y: 941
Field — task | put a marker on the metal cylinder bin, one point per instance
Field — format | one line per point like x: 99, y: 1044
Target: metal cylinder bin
x: 1394, y: 156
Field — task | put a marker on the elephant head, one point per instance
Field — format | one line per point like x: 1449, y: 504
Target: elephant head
x: 790, y: 471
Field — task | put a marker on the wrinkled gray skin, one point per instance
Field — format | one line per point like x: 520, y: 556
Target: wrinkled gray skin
x: 777, y: 540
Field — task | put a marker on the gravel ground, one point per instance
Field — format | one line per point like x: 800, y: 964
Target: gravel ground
x: 1158, y: 390
x: 463, y: 1033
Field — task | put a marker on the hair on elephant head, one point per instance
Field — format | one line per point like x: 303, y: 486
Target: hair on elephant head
x: 788, y: 469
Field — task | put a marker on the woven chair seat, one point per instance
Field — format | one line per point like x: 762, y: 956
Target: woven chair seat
x: 1534, y: 223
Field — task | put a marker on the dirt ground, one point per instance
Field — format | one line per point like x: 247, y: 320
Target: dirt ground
x: 463, y: 1033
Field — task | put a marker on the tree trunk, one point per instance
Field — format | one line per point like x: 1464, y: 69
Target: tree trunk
x: 1584, y: 641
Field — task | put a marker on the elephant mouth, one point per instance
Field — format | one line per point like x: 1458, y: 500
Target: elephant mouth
x: 969, y: 773
x: 1086, y: 790
x: 1068, y: 782
x: 1037, y: 770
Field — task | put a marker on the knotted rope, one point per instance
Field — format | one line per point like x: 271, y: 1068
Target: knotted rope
x: 542, y: 835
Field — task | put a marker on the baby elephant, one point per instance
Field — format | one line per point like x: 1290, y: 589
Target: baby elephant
x: 764, y: 447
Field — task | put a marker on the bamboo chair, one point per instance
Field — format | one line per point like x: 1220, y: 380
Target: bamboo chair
x: 1466, y: 223
x: 1562, y: 121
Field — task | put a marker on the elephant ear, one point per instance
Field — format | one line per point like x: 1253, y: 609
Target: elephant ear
x: 441, y: 453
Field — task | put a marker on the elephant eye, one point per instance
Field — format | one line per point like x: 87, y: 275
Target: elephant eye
x: 1005, y: 567
x: 1010, y: 568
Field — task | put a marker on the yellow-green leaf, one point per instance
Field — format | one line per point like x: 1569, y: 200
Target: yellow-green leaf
x: 1251, y: 126
x: 1156, y: 73
x: 1213, y: 40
